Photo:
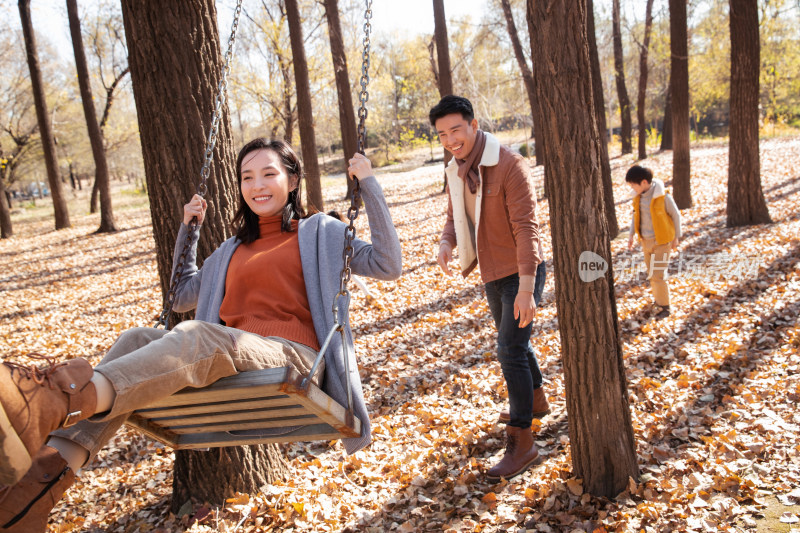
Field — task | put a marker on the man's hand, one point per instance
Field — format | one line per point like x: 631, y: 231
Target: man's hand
x: 630, y: 242
x: 524, y: 308
x: 445, y: 256
x: 675, y: 244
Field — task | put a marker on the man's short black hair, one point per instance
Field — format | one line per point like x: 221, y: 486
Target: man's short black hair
x: 637, y: 175
x: 452, y: 104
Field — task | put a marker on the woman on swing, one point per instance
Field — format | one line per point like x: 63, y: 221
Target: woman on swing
x: 263, y: 299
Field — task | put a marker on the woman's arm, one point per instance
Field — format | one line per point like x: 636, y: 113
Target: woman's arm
x: 188, y: 287
x: 383, y: 258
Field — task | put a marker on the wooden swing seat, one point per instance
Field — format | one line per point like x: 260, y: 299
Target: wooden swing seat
x: 254, y: 407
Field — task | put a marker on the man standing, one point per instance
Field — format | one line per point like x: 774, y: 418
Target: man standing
x: 491, y: 216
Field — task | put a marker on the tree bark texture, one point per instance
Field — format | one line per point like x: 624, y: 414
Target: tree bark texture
x: 666, y: 125
x: 642, y: 96
x: 600, y: 116
x: 94, y: 197
x: 175, y: 61
x: 619, y: 76
x: 443, y: 58
x: 101, y: 180
x: 527, y: 78
x: 305, y: 113
x: 43, y: 118
x: 679, y: 88
x: 6, y: 228
x: 442, y: 48
x: 288, y: 109
x: 746, y: 203
x: 600, y: 430
x: 213, y: 475
x: 347, y: 116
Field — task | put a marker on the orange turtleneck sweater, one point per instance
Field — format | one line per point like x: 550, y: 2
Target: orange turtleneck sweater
x: 265, y: 292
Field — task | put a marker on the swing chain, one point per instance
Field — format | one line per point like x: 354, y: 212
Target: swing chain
x: 355, y: 199
x: 222, y: 92
x: 364, y: 94
x: 352, y: 214
x: 205, y: 171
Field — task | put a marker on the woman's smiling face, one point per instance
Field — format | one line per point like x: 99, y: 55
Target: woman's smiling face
x: 266, y: 183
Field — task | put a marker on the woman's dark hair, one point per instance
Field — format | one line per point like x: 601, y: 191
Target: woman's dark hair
x: 637, y: 175
x: 245, y: 221
x: 451, y: 104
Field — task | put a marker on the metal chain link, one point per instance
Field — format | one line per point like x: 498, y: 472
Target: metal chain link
x: 364, y: 95
x: 205, y: 171
x: 352, y: 211
x: 355, y: 199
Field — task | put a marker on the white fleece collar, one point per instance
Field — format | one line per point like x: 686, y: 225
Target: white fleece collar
x: 491, y: 151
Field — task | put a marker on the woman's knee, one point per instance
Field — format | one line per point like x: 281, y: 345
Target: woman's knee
x: 131, y: 340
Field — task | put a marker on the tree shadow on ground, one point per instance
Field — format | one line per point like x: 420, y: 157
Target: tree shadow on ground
x: 734, y: 368
x: 47, y: 277
x: 67, y: 251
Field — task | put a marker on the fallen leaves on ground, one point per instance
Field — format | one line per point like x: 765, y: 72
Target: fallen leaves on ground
x: 713, y: 388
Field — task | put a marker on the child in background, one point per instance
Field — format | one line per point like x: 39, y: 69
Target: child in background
x: 657, y: 223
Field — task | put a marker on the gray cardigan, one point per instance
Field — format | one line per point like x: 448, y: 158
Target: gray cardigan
x: 321, y: 240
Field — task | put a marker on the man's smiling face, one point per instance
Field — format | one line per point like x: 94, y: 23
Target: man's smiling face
x: 456, y: 134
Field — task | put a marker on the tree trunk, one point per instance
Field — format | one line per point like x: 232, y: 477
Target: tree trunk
x: 619, y: 75
x: 94, y: 197
x: 679, y: 87
x: 288, y: 129
x: 6, y: 228
x: 43, y: 117
x: 101, y: 182
x: 527, y: 78
x: 443, y: 57
x: 602, y: 444
x: 640, y: 101
x: 347, y: 117
x: 215, y: 474
x: 666, y: 126
x: 442, y: 48
x: 746, y: 203
x: 305, y: 112
x: 602, y: 128
x: 167, y: 47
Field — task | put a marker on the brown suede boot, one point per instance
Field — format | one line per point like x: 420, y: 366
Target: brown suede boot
x: 35, y: 401
x: 541, y: 407
x: 520, y: 455
x: 24, y: 507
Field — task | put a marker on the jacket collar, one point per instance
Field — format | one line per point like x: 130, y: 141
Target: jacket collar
x: 658, y: 188
x: 491, y: 152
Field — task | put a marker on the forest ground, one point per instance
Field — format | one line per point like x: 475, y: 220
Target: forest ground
x: 713, y: 388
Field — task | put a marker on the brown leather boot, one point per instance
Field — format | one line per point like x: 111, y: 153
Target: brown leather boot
x: 24, y: 507
x: 35, y: 401
x: 520, y: 455
x: 541, y: 407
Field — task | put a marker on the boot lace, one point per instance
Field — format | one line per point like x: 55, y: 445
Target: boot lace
x: 40, y: 376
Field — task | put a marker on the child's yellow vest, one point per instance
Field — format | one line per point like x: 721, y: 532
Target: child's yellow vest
x: 663, y: 226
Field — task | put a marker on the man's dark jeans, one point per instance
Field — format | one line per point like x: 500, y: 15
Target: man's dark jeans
x: 514, y: 350
x: 538, y: 283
